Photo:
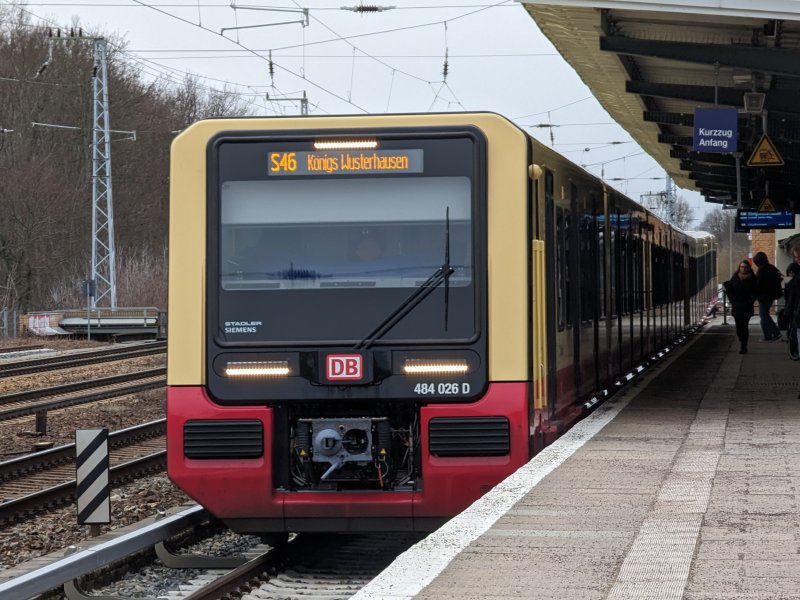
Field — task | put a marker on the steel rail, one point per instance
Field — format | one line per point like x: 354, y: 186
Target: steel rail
x: 114, y: 392
x: 11, y: 349
x: 75, y: 565
x: 79, y: 386
x: 76, y: 360
x: 230, y: 583
x: 60, y: 494
x: 17, y: 467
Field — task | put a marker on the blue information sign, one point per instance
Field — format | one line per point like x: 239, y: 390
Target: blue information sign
x: 751, y: 219
x: 715, y: 130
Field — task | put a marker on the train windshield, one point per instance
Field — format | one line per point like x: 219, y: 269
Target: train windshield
x: 345, y: 234
x: 327, y: 259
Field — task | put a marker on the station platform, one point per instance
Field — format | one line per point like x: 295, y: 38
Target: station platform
x: 685, y: 485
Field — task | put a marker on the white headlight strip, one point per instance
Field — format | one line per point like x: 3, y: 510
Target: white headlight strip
x: 278, y: 368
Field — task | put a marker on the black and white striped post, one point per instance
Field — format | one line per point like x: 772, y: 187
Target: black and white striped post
x: 91, y: 463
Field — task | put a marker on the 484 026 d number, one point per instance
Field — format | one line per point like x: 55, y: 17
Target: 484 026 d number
x: 441, y: 389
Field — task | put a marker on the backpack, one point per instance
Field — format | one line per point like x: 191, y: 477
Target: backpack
x: 774, y: 283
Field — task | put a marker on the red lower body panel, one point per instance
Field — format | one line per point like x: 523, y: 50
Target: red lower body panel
x: 242, y: 489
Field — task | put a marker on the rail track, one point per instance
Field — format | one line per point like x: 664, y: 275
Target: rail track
x: 31, y: 402
x: 333, y: 567
x: 325, y: 566
x: 36, y: 365
x: 11, y: 349
x: 45, y: 480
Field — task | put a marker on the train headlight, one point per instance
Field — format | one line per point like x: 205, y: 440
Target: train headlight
x: 270, y: 368
x: 346, y: 144
x: 435, y: 366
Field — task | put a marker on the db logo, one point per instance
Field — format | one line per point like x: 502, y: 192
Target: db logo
x: 343, y: 366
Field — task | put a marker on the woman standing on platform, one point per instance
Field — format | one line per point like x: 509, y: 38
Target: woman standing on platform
x: 742, y: 290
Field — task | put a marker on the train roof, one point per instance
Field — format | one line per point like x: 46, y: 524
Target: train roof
x: 699, y: 235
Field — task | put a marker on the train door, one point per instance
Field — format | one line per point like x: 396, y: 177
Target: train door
x: 552, y: 290
x: 630, y: 287
x: 616, y: 288
x: 689, y: 275
x: 632, y: 258
x: 594, y: 293
x: 648, y: 282
x: 604, y: 249
x: 658, y: 278
x: 537, y: 289
x: 640, y: 299
x: 574, y: 287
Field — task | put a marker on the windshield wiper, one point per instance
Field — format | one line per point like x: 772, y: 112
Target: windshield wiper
x: 442, y: 274
x: 446, y: 266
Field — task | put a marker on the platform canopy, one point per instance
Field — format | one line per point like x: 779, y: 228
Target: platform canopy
x: 651, y: 64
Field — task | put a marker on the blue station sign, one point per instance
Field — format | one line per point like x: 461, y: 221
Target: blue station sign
x: 777, y: 219
x: 715, y: 130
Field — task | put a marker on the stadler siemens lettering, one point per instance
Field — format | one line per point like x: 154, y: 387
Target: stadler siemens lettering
x: 242, y: 326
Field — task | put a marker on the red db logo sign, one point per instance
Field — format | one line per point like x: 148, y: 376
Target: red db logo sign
x: 343, y: 367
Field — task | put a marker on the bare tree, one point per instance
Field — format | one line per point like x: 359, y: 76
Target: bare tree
x: 46, y: 172
x: 721, y: 223
x: 683, y: 214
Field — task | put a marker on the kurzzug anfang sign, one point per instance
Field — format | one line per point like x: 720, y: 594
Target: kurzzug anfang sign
x: 715, y: 130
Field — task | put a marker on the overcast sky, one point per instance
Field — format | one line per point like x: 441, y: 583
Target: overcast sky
x: 390, y: 61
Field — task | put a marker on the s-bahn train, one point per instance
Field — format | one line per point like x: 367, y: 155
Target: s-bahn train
x: 375, y: 319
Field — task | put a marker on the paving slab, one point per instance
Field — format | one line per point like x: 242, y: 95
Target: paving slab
x: 691, y: 491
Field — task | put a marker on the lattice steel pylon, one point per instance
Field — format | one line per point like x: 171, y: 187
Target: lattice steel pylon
x: 662, y: 203
x: 103, y: 256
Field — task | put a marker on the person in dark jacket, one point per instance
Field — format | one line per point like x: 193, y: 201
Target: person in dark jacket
x: 742, y: 290
x: 770, y: 282
x: 792, y: 307
x: 791, y: 290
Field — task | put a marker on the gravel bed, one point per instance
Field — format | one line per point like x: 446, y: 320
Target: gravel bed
x: 58, y: 529
x: 52, y: 343
x: 133, y: 502
x: 18, y: 436
x: 157, y: 581
x: 21, y: 383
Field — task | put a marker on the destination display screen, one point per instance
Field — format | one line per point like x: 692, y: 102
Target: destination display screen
x: 779, y: 219
x: 344, y: 162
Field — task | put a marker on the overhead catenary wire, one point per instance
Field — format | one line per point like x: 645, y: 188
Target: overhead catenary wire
x: 222, y: 53
x: 281, y: 67
x: 157, y: 71
x: 304, y: 45
x: 227, y: 5
x: 160, y: 69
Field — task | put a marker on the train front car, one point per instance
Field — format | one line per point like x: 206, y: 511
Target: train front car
x: 349, y: 318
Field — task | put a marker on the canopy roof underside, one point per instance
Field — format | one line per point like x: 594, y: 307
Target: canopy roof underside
x: 650, y: 67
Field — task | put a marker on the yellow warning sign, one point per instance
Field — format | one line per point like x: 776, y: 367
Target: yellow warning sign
x: 766, y: 206
x: 765, y: 154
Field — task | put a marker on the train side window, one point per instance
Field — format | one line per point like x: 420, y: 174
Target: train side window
x: 613, y: 254
x: 630, y: 271
x: 624, y: 288
x: 658, y: 275
x: 640, y: 274
x: 588, y: 291
x: 569, y: 276
x: 653, y: 271
x: 600, y: 267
